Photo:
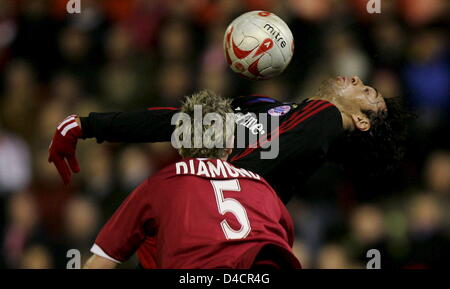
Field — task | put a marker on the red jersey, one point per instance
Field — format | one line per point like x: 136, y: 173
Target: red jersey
x: 200, y: 213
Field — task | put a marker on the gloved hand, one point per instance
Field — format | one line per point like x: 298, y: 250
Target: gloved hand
x: 63, y: 146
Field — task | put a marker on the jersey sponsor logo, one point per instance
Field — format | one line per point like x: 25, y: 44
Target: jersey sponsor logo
x: 249, y: 121
x: 279, y: 110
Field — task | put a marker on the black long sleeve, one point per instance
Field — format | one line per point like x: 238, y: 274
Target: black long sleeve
x: 149, y: 125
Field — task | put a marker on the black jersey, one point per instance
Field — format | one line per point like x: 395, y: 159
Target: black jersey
x: 304, y: 132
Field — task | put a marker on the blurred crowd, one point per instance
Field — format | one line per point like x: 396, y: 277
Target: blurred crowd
x: 129, y: 54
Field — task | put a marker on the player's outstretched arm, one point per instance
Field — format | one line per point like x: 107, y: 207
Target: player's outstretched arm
x: 147, y: 125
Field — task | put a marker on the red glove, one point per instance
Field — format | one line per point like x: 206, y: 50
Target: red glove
x: 63, y: 146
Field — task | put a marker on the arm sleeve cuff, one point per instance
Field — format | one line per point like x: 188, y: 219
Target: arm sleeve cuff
x: 99, y: 252
x: 85, y: 128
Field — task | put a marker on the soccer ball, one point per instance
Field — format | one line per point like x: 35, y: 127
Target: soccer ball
x: 258, y: 45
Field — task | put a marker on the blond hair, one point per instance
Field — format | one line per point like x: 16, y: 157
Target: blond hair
x: 210, y: 102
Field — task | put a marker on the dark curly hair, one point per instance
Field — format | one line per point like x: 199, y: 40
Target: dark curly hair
x: 378, y: 150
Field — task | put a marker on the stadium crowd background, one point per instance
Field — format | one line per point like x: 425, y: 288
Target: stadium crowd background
x: 129, y: 54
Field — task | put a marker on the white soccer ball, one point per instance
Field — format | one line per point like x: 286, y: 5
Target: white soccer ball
x: 258, y: 45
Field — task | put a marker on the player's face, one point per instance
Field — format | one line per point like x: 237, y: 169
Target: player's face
x: 357, y: 96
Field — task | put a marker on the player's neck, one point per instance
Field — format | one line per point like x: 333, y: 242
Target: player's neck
x: 347, y: 121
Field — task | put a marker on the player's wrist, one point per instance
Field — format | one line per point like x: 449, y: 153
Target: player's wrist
x: 77, y: 119
x: 80, y: 131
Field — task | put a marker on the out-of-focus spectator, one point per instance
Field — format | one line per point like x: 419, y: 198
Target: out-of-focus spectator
x: 15, y: 163
x: 74, y: 45
x: 98, y: 175
x: 213, y: 67
x: 367, y: 224
x: 8, y: 31
x: 75, y: 48
x: 20, y: 229
x: 162, y: 154
x: 36, y: 29
x: 368, y: 232
x: 425, y: 214
x: 50, y: 195
x: 437, y: 173
x: 66, y: 88
x: 272, y: 87
x: 19, y: 99
x: 118, y: 45
x: 92, y: 17
x: 389, y: 42
x: 387, y: 83
x: 176, y: 42
x: 134, y: 168
x: 119, y: 85
x: 345, y: 58
x: 429, y: 243
x: 427, y: 77
x: 311, y: 10
x: 36, y: 256
x: 144, y: 23
x: 174, y: 82
x: 302, y: 253
x: 334, y: 256
x: 50, y: 115
x: 81, y: 222
x: 421, y: 12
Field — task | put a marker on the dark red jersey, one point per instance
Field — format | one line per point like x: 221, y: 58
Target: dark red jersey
x: 200, y: 213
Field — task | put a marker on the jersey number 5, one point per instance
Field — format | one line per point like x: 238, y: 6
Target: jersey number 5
x: 232, y: 206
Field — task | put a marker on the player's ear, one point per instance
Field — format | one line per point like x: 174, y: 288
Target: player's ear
x: 361, y: 122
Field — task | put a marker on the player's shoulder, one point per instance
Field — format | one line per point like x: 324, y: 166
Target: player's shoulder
x: 309, y: 108
x: 322, y: 112
x: 314, y: 106
x: 249, y: 102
